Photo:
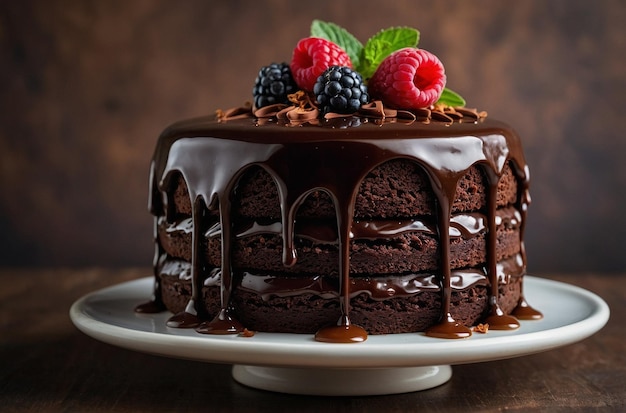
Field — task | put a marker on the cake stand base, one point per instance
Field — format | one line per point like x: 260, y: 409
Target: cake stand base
x: 342, y: 381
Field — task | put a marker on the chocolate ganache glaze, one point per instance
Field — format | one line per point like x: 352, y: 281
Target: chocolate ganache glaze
x: 334, y: 156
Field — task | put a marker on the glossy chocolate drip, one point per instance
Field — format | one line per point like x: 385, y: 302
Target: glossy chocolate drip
x: 524, y: 311
x: 191, y: 317
x: 324, y: 232
x: 155, y: 305
x: 211, y: 157
x: 344, y: 331
x: 446, y: 183
x: 497, y: 320
x: 224, y: 322
x: 378, y: 288
x: 465, y: 225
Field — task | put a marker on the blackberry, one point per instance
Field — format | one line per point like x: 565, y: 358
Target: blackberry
x: 273, y: 84
x: 341, y: 90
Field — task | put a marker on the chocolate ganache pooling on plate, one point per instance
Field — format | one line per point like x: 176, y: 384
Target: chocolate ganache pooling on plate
x: 212, y: 154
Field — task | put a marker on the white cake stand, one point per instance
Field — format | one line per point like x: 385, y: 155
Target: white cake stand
x: 296, y: 363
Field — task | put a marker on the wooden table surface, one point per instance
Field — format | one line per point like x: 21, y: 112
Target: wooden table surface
x: 46, y: 364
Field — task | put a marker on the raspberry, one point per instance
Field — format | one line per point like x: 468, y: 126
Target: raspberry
x: 408, y: 79
x: 312, y: 56
x: 273, y: 84
x: 341, y: 90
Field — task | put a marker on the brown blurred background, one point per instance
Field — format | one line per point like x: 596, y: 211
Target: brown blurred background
x: 87, y: 86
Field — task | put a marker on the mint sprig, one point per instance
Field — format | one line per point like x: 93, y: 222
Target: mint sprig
x: 450, y: 98
x: 339, y: 36
x: 382, y: 44
x: 366, y: 59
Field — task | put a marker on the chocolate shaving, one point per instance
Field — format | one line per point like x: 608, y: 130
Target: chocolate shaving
x: 471, y: 113
x: 381, y: 114
x: 450, y: 114
x: 481, y: 328
x: 304, y: 110
x: 334, y: 115
x: 302, y: 99
x: 282, y: 115
x: 247, y: 333
x: 270, y: 111
x: 240, y: 112
x: 300, y: 115
x: 441, y: 116
x: 376, y: 109
x: 407, y: 115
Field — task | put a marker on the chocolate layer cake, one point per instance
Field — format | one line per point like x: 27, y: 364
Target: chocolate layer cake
x: 358, y: 196
x: 391, y: 226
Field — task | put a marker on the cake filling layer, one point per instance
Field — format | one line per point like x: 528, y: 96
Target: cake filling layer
x: 276, y: 302
x: 462, y: 225
x: 381, y: 246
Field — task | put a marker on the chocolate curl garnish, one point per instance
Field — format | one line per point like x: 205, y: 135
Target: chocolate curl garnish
x: 240, y: 112
x: 302, y: 100
x: 299, y: 116
x: 451, y: 114
x: 471, y: 113
x: 407, y: 116
x: 335, y: 115
x: 303, y: 111
x: 282, y: 114
x: 270, y: 111
x: 441, y: 116
x: 376, y: 109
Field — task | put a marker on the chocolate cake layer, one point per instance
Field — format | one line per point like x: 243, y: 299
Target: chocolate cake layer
x: 397, y: 303
x: 308, y: 313
x: 408, y: 251
x: 396, y: 189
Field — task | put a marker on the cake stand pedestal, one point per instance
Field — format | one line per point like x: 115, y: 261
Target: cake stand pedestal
x: 342, y: 382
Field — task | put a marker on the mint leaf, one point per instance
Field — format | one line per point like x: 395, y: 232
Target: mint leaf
x: 339, y: 36
x: 451, y: 98
x: 382, y: 44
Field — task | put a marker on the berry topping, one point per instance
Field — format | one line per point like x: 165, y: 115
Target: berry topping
x: 312, y: 56
x: 273, y: 84
x: 408, y: 79
x: 341, y: 90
